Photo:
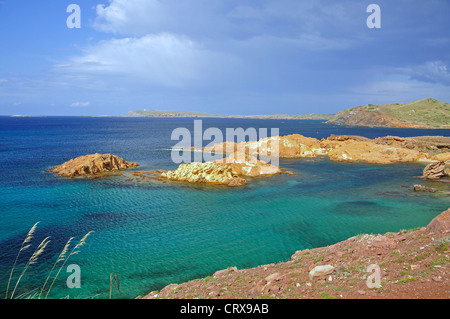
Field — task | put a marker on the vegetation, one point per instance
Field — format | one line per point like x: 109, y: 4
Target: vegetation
x: 426, y: 113
x: 430, y: 112
x: 63, y: 257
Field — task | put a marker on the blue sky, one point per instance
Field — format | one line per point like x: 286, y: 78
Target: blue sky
x: 220, y: 56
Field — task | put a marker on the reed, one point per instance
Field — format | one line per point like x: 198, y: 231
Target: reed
x: 32, y: 260
x: 23, y: 247
x: 63, y: 257
x: 74, y: 251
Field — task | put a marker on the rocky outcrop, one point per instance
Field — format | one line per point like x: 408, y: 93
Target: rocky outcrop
x: 348, y: 148
x: 90, y: 165
x: 373, y: 153
x: 434, y: 170
x: 212, y: 173
x: 289, y: 146
x: 440, y: 224
x: 429, y: 144
x: 227, y: 171
x: 248, y: 165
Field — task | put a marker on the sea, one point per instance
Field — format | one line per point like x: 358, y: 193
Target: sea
x: 144, y: 236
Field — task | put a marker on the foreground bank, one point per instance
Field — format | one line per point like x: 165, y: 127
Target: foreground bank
x: 411, y: 264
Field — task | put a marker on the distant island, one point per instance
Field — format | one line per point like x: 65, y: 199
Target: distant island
x: 153, y: 113
x: 426, y: 113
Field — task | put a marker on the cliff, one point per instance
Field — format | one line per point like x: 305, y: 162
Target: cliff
x: 426, y: 113
x: 412, y: 264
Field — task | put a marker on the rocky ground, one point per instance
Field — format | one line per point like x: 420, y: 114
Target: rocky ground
x: 412, y: 264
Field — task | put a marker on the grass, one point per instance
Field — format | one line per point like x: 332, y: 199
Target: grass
x: 326, y: 295
x: 406, y: 280
x: 443, y: 247
x: 428, y: 111
x: 63, y: 257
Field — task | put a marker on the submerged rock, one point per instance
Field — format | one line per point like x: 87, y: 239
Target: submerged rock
x: 92, y: 164
x: 420, y: 188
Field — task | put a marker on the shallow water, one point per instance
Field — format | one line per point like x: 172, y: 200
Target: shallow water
x: 154, y: 234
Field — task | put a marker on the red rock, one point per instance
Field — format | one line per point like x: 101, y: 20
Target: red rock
x: 434, y: 170
x: 92, y: 164
x: 440, y: 224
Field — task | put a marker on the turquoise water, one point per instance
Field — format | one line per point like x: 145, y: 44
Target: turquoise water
x: 154, y: 234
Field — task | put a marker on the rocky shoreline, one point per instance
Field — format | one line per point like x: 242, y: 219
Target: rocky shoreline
x: 243, y: 159
x: 413, y: 264
x: 349, y: 148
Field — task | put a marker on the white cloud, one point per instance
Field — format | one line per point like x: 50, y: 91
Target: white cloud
x: 430, y: 71
x: 3, y: 80
x: 140, y: 17
x: 80, y: 104
x: 125, y: 15
x: 164, y: 59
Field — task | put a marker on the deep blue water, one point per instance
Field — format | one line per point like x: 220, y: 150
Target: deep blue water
x: 154, y: 234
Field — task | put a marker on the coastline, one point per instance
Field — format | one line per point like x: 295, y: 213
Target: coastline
x: 412, y: 264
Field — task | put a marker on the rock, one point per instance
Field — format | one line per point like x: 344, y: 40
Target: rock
x: 289, y: 146
x: 384, y: 243
x: 298, y: 254
x: 224, y: 272
x: 227, y: 171
x: 273, y: 277
x: 260, y: 285
x: 434, y: 170
x: 168, y: 289
x: 383, y: 150
x: 247, y: 165
x: 209, y: 172
x: 92, y: 164
x: 440, y: 224
x: 320, y: 271
x: 437, y: 278
x: 373, y: 153
x: 340, y: 269
x: 342, y: 138
x: 420, y: 188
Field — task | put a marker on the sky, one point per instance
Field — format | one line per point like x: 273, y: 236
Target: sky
x: 236, y: 57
